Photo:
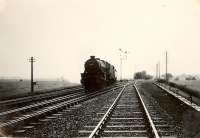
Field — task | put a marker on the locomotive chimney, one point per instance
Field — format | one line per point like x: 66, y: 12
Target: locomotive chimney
x: 92, y: 57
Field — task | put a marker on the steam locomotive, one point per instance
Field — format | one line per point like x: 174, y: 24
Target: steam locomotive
x: 98, y: 74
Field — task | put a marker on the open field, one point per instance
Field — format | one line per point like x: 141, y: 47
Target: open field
x: 10, y: 88
x: 192, y: 84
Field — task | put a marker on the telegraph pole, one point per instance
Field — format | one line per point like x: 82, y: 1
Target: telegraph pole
x: 32, y: 59
x: 120, y: 66
x: 166, y: 68
x: 134, y: 72
x: 159, y: 69
x: 156, y: 70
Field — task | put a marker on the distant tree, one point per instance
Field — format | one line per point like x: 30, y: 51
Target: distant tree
x: 176, y: 79
x: 190, y: 78
x: 169, y: 76
x: 142, y: 75
x: 148, y: 77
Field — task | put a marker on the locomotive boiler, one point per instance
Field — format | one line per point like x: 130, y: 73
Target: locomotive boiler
x: 97, y: 74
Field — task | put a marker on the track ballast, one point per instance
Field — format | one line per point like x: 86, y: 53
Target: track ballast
x: 128, y: 116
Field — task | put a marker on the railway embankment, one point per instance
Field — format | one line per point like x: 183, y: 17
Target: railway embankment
x: 178, y: 105
x: 193, y: 95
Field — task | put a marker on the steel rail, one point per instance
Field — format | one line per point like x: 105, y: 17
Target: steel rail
x: 95, y: 132
x: 55, y: 107
x: 39, y: 96
x: 154, y: 132
x: 43, y: 103
x: 51, y: 101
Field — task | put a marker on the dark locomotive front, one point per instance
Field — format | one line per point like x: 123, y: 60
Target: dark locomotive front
x: 98, y: 74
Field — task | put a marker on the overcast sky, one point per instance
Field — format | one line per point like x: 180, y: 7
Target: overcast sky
x: 62, y: 34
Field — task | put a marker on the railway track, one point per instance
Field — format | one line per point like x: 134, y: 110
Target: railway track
x: 17, y: 120
x: 128, y: 116
x: 40, y: 97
